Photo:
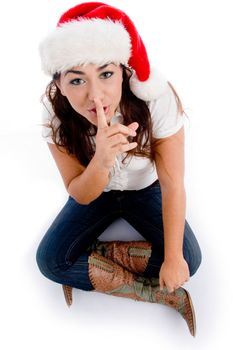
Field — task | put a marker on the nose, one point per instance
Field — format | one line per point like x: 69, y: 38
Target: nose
x: 95, y: 91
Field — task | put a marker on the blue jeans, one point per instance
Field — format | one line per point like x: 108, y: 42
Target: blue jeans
x: 62, y: 255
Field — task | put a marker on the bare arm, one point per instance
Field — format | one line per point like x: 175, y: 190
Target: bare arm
x: 169, y: 160
x: 82, y: 183
x: 173, y: 209
x: 90, y: 184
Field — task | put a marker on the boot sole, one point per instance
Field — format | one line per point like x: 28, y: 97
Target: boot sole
x: 193, y: 331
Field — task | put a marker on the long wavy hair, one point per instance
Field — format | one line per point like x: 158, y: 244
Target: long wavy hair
x: 75, y: 132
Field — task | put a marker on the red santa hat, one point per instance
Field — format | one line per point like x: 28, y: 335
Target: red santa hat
x: 94, y: 32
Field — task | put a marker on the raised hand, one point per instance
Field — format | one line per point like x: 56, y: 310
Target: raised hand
x: 111, y: 140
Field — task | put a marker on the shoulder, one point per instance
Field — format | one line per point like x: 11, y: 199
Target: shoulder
x: 165, y: 115
x: 163, y: 102
x: 49, y: 121
x: 48, y: 115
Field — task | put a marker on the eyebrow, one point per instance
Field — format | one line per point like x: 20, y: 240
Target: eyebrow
x: 82, y: 73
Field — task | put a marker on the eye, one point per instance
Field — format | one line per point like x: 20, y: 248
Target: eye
x: 107, y: 75
x: 77, y: 81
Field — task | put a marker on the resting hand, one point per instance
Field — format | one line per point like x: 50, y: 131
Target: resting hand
x: 173, y: 273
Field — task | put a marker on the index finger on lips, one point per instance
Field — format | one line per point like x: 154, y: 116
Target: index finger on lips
x: 101, y: 118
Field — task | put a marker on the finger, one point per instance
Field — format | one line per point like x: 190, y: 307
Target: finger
x: 170, y: 289
x: 133, y: 126
x: 101, y: 118
x: 125, y: 148
x: 177, y: 287
x: 120, y: 128
x: 117, y: 139
x: 161, y: 283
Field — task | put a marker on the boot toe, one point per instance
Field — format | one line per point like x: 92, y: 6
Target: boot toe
x: 189, y: 313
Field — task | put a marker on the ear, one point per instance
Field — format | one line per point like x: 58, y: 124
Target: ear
x: 58, y: 85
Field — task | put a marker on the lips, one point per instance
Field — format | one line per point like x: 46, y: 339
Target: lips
x: 93, y: 110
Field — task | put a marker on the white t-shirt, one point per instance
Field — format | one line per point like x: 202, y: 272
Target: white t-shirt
x: 136, y: 172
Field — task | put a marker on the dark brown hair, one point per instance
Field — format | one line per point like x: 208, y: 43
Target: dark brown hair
x: 75, y: 131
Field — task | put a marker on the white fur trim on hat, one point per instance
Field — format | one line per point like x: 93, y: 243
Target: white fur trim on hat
x: 150, y: 89
x: 85, y: 41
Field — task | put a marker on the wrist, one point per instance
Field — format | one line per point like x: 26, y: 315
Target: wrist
x: 173, y: 256
x: 99, y: 166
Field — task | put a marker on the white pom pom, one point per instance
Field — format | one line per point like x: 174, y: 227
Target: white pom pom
x: 150, y: 89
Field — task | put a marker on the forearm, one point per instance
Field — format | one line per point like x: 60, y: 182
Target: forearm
x: 90, y: 184
x: 173, y: 212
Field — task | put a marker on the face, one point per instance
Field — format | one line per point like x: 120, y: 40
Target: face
x: 82, y: 84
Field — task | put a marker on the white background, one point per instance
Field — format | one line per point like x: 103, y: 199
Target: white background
x: 191, y: 43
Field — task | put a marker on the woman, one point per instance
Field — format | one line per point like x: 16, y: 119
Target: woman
x: 115, y: 129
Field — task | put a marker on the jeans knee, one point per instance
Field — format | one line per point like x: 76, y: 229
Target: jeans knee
x: 46, y: 264
x: 41, y: 262
x: 195, y: 262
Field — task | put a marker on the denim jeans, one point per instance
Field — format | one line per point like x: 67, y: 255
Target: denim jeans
x: 62, y: 255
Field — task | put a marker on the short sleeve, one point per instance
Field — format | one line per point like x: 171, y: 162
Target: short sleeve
x: 48, y: 119
x: 166, y: 120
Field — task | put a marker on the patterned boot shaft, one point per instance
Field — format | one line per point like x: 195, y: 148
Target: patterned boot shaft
x: 132, y: 255
x: 110, y: 278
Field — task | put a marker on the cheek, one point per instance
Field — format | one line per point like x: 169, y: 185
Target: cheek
x: 117, y: 89
x: 75, y: 103
x: 74, y: 99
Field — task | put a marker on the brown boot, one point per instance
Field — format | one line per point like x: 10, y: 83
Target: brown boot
x: 132, y: 255
x: 67, y: 290
x: 108, y: 277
